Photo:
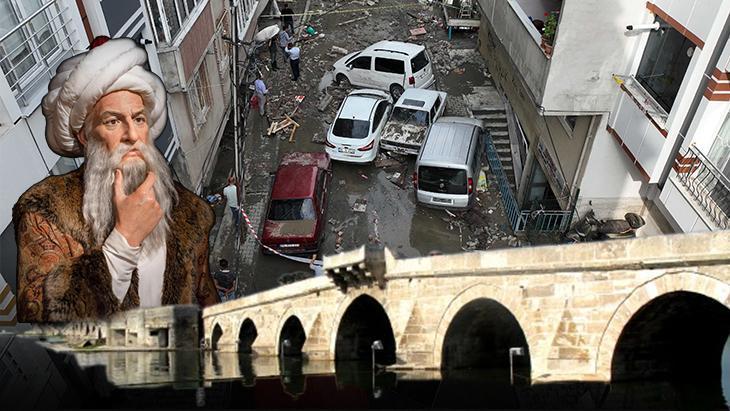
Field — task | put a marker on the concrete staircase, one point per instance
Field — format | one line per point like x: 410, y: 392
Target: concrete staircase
x: 495, y: 120
x: 486, y: 104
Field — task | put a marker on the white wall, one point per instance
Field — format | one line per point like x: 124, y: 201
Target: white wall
x: 609, y: 173
x: 695, y: 15
x: 21, y: 165
x: 591, y: 45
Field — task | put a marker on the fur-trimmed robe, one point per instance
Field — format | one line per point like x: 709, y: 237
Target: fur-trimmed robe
x: 62, y: 276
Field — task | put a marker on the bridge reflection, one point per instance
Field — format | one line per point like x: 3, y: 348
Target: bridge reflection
x: 225, y: 379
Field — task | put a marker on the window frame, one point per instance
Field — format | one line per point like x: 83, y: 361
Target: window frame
x: 370, y: 62
x: 159, y: 14
x: 658, y: 49
x: 31, y: 41
x: 199, y: 97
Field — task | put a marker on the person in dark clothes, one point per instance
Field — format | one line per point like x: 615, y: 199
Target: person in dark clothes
x: 287, y: 15
x: 272, y: 52
x: 225, y: 281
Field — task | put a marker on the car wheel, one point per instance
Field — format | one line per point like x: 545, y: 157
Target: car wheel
x: 396, y: 91
x: 343, y: 81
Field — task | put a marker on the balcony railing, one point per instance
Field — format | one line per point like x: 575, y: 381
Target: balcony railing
x: 31, y: 51
x: 707, y: 185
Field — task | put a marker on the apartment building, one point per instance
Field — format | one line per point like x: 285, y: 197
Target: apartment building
x: 601, y: 109
x: 185, y: 43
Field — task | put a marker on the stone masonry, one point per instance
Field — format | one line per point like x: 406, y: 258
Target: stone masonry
x: 571, y: 301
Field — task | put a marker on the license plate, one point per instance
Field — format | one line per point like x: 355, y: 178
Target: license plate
x: 288, y: 245
x: 346, y: 150
x: 442, y: 200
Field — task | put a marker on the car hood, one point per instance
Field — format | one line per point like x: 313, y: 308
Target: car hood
x: 289, y: 229
x: 404, y: 133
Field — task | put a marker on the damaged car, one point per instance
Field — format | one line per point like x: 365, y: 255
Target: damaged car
x: 295, y: 217
x: 414, y: 112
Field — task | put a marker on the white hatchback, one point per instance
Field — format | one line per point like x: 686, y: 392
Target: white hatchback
x: 354, y: 136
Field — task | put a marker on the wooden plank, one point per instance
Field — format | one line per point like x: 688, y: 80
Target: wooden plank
x: 292, y: 121
x: 282, y: 125
x: 293, y: 130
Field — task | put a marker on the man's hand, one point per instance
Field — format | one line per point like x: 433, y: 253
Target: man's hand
x: 138, y: 213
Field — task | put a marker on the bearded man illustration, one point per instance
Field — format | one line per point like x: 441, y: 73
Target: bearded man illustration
x: 117, y: 233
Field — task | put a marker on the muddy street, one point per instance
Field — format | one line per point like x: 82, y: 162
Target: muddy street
x: 368, y: 203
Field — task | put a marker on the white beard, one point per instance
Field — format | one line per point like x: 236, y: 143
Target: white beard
x: 98, y: 202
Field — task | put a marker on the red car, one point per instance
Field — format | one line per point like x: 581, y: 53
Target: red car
x: 296, y: 215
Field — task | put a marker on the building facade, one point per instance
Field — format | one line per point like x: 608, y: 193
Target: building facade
x: 600, y: 107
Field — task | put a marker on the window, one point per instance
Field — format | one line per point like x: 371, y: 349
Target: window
x: 442, y: 180
x: 382, y: 106
x: 289, y: 210
x: 321, y: 181
x: 389, y: 65
x: 199, y: 95
x: 664, y: 64
x: 169, y: 16
x: 362, y: 63
x: 419, y: 62
x: 411, y: 116
x: 719, y: 153
x: 221, y: 46
x: 35, y: 47
x: 345, y: 127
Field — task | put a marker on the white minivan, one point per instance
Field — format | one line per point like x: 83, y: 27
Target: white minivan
x: 387, y: 65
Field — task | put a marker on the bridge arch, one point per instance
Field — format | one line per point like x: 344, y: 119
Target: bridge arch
x: 216, y: 336
x: 291, y: 337
x: 247, y: 334
x: 474, y: 293
x: 651, y: 293
x: 360, y: 320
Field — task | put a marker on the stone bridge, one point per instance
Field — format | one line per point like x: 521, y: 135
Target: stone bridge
x: 586, y: 312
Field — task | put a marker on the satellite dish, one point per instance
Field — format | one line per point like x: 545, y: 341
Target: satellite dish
x: 266, y: 34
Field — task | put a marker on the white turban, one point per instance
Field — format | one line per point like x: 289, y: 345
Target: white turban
x: 82, y: 80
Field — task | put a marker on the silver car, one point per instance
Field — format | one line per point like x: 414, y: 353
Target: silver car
x: 449, y: 162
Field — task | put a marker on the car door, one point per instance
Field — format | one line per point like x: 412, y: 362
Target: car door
x: 389, y: 71
x: 379, y: 119
x: 360, y: 70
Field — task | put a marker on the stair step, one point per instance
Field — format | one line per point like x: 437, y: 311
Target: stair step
x: 488, y: 111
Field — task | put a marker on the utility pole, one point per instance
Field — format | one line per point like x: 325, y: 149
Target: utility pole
x: 234, y: 94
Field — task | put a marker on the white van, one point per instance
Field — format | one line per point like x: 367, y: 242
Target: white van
x: 449, y: 162
x: 386, y: 65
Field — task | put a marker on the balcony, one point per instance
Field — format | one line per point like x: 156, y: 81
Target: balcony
x: 31, y: 51
x: 706, y: 185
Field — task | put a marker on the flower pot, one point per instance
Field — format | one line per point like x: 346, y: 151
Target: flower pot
x: 547, y: 46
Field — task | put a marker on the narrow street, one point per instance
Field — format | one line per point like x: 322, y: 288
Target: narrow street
x: 391, y: 216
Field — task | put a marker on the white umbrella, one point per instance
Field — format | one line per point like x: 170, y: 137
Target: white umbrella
x: 266, y: 34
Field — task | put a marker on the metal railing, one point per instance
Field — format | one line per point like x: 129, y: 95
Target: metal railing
x: 707, y: 185
x: 45, y: 40
x: 522, y: 220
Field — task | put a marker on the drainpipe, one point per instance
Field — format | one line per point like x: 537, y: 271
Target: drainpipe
x: 714, y: 59
x: 583, y: 160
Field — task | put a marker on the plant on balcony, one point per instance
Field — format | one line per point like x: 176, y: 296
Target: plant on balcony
x: 548, y: 31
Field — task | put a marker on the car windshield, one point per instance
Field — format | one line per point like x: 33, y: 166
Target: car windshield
x: 410, y: 116
x: 419, y: 62
x: 354, y: 56
x: 287, y: 210
x: 442, y: 180
x: 347, y: 128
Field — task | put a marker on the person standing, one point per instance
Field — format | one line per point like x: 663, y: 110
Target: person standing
x: 225, y: 281
x: 293, y: 53
x: 231, y: 194
x: 272, y: 52
x: 287, y: 16
x: 261, y: 91
x: 284, y: 39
